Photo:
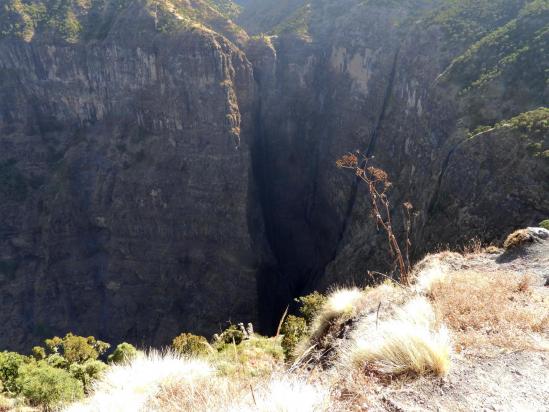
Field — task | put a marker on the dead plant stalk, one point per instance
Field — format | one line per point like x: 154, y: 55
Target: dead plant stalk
x: 378, y: 184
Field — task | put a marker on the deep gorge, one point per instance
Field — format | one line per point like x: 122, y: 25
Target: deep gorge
x: 159, y: 180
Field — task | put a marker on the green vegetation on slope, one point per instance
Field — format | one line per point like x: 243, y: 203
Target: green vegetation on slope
x: 75, y: 20
x: 466, y: 21
x: 59, y: 372
x: 68, y: 20
x: 518, y: 49
x: 297, y: 23
x: 532, y: 127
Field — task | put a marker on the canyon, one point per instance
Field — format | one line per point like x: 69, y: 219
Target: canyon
x: 169, y: 166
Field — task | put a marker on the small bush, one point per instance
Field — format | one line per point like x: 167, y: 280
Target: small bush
x: 46, y: 386
x: 190, y: 345
x: 232, y: 335
x: 77, y: 349
x: 124, y: 352
x: 9, y: 366
x: 311, y: 305
x: 57, y: 361
x: 38, y: 353
x: 294, y: 330
x: 255, y: 357
x: 492, y: 250
x: 87, y: 372
x: 544, y: 224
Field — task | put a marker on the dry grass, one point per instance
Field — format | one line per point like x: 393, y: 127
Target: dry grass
x: 473, y: 246
x: 166, y: 382
x: 342, y: 309
x: 410, y: 342
x: 491, y: 309
x: 342, y: 304
x: 285, y: 394
x: 492, y: 249
x: 433, y: 268
x: 255, y: 357
x: 127, y: 387
x: 345, y: 304
x: 278, y: 394
x: 517, y: 238
x: 209, y: 395
x: 370, y: 335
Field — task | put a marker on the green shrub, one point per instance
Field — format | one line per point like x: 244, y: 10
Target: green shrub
x: 311, y: 305
x: 257, y: 356
x: 38, y: 353
x: 45, y: 386
x: 10, y: 362
x: 57, y: 361
x: 190, y: 345
x: 294, y: 329
x: 87, y: 372
x: 123, y: 352
x: 77, y: 349
x: 232, y: 334
x: 544, y: 224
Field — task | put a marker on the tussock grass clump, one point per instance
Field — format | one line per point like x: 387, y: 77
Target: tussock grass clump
x: 342, y: 304
x: 128, y: 386
x: 517, y: 238
x: 433, y: 268
x: 491, y: 309
x: 342, y: 309
x: 286, y: 394
x: 408, y: 343
x: 282, y: 393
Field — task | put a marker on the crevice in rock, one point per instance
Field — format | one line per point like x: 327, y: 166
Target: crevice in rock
x: 370, y: 149
x: 435, y: 198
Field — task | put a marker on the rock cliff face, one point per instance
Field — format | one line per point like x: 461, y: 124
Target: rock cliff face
x: 128, y: 206
x: 406, y: 83
x: 160, y: 171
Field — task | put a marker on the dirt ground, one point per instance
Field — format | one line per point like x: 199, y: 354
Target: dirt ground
x: 504, y: 381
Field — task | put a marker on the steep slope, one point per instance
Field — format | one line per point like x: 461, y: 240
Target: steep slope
x: 398, y: 81
x: 162, y: 170
x: 263, y: 15
x: 128, y: 206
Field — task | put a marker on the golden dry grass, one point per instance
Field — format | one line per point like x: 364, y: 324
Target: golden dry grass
x: 282, y: 393
x: 409, y: 343
x: 517, y: 238
x: 491, y: 309
x: 127, y: 386
x: 341, y: 305
x: 167, y: 382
